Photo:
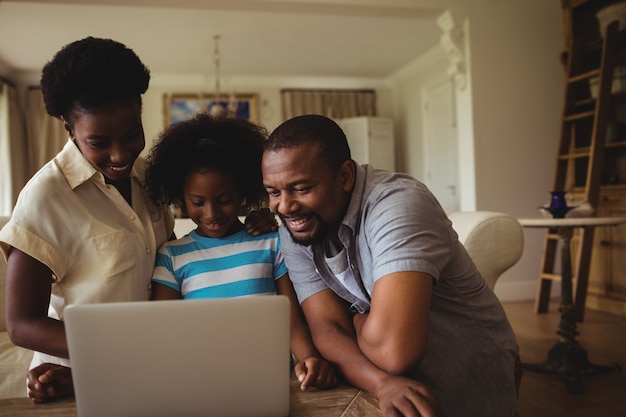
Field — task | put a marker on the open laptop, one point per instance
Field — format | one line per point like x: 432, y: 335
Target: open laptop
x: 182, y: 358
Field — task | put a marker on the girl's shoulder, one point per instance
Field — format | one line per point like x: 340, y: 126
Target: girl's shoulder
x: 171, y: 245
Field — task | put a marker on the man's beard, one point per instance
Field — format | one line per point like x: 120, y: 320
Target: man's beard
x: 318, y: 237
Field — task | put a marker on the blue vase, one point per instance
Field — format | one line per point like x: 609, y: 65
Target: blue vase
x: 558, y: 206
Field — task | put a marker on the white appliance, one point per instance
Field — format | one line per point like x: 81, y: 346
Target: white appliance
x: 371, y: 140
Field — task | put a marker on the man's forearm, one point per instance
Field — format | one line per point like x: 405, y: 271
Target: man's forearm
x: 340, y: 347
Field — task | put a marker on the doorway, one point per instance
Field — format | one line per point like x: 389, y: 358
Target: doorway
x: 441, y: 147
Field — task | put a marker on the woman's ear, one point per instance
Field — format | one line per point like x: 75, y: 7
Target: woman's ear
x: 347, y: 175
x: 68, y: 128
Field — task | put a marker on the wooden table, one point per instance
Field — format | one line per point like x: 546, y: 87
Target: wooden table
x: 567, y: 357
x: 344, y: 401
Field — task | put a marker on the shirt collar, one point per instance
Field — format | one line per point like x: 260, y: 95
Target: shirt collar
x: 353, y: 214
x: 77, y: 169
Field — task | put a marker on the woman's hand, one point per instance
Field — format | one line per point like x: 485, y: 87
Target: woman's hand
x: 48, y: 382
x: 261, y: 221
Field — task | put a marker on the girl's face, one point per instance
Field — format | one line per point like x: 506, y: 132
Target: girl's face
x: 213, y: 201
x: 111, y: 139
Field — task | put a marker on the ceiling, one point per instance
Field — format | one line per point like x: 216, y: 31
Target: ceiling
x: 306, y: 38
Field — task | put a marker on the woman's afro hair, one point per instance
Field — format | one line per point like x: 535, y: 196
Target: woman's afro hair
x: 92, y: 73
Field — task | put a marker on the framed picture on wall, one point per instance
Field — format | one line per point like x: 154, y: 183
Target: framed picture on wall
x: 179, y: 107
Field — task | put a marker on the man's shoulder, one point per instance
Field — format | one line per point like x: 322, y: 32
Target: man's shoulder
x: 287, y: 243
x: 385, y: 187
x: 377, y: 182
x: 285, y: 237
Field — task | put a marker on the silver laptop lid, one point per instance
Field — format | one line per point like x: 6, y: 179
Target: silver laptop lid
x: 184, y: 358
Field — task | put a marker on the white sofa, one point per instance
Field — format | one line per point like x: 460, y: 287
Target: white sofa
x: 493, y: 240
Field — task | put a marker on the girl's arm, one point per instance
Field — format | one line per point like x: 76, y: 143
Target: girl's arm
x: 311, y: 370
x: 163, y: 292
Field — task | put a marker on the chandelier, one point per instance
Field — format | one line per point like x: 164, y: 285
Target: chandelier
x: 220, y: 105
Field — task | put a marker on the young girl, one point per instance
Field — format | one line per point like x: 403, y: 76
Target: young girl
x: 212, y: 168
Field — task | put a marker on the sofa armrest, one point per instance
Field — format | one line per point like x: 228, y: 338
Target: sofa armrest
x: 14, y: 364
x: 494, y: 240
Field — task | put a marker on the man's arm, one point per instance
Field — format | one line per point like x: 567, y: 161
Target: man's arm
x: 336, y: 339
x: 394, y: 334
x: 334, y: 336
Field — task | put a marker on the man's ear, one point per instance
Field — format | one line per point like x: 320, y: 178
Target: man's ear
x: 347, y: 175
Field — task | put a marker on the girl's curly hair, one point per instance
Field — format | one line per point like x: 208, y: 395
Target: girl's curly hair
x: 92, y: 73
x: 232, y: 146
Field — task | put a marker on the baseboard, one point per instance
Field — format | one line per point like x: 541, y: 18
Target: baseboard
x: 522, y: 290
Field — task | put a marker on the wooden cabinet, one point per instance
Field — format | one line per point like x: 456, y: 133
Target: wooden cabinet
x: 607, y: 279
x: 604, y: 183
x: 583, y: 36
x: 614, y: 172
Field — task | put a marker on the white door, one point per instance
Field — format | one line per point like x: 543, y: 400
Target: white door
x: 441, y: 160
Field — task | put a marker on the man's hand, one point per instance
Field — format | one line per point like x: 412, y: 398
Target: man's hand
x: 314, y: 372
x: 48, y: 382
x: 400, y: 396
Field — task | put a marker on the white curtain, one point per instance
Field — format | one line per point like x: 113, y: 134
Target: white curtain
x: 27, y: 141
x: 13, y: 162
x: 336, y: 104
x: 46, y: 135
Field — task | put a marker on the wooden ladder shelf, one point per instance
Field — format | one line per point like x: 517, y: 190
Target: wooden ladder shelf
x: 579, y: 160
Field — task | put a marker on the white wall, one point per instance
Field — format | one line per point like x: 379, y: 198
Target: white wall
x: 6, y: 71
x: 407, y: 86
x: 515, y: 90
x: 267, y: 89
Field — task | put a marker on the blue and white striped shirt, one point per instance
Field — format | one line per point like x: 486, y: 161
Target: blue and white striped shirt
x: 232, y: 266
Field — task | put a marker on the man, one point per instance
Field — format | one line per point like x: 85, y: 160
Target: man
x: 391, y: 297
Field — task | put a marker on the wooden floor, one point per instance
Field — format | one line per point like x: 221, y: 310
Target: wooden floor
x: 603, y: 336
